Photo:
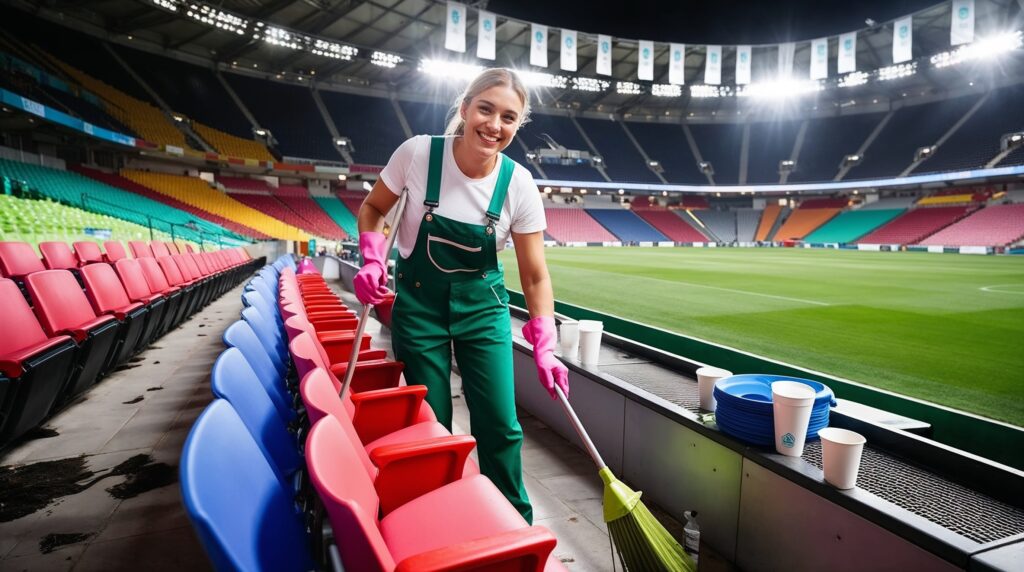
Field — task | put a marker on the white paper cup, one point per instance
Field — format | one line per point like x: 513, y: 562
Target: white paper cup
x: 840, y: 456
x: 792, y: 403
x: 706, y: 378
x: 569, y: 338
x: 590, y: 341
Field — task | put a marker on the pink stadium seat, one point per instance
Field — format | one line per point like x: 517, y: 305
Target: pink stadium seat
x: 159, y: 248
x: 108, y: 297
x: 575, y: 225
x: 58, y: 256
x: 915, y: 224
x: 137, y: 289
x: 88, y: 252
x: 158, y: 284
x: 19, y: 259
x: 115, y: 251
x: 140, y: 249
x: 998, y: 225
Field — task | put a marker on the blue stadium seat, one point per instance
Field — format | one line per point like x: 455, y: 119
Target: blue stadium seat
x: 273, y: 344
x: 241, y: 336
x: 626, y: 225
x: 245, y: 518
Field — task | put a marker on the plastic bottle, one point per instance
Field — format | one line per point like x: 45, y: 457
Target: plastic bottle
x: 691, y: 531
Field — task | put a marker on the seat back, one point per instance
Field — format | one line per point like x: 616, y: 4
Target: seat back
x: 133, y: 279
x: 179, y: 263
x: 22, y: 329
x: 104, y: 290
x: 240, y: 335
x: 321, y: 400
x: 265, y: 332
x: 193, y: 267
x: 140, y: 249
x: 348, y: 496
x: 244, y: 517
x: 159, y: 249
x: 170, y: 270
x: 234, y: 380
x: 87, y: 252
x: 58, y: 300
x: 19, y: 259
x: 201, y: 263
x: 115, y: 250
x: 155, y: 277
x: 307, y: 352
x: 188, y: 248
x: 58, y: 256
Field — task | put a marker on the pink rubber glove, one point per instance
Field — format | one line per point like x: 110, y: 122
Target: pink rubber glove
x: 371, y: 282
x: 540, y: 332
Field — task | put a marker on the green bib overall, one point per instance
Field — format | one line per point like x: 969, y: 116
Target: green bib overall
x: 451, y: 293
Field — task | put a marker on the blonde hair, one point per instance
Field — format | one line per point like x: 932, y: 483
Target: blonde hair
x: 486, y: 80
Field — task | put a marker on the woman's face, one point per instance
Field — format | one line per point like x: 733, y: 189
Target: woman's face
x: 491, y: 120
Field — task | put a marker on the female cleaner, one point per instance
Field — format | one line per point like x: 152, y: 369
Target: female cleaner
x: 465, y: 199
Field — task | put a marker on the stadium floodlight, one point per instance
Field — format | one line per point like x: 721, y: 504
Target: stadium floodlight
x: 531, y: 157
x: 853, y: 79
x: 541, y: 79
x: 897, y: 71
x: 780, y: 89
x: 583, y: 191
x: 1012, y: 140
x: 666, y: 90
x: 547, y: 190
x: 851, y: 160
x: 342, y: 177
x: 178, y: 118
x: 924, y: 152
x: 787, y: 166
x: 260, y: 132
x: 449, y: 70
x: 655, y: 166
x: 590, y: 84
x: 628, y: 88
x: 597, y: 161
x: 705, y: 91
x: 167, y: 5
x: 985, y: 49
x: 385, y: 60
x: 706, y: 167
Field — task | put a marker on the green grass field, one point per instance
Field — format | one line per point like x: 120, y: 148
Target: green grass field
x: 948, y: 329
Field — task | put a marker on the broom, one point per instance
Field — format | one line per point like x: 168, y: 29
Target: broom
x: 643, y: 543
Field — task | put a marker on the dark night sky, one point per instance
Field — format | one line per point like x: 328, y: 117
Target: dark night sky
x: 715, y: 22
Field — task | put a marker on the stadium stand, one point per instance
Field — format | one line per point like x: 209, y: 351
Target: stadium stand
x: 352, y: 200
x: 914, y: 225
x: 290, y: 114
x: 671, y: 224
x: 622, y: 161
x: 424, y: 118
x: 977, y: 141
x: 339, y: 213
x: 802, y: 221
x: 575, y: 225
x: 770, y: 142
x: 911, y: 127
x: 720, y: 145
x: 564, y: 133
x: 269, y: 205
x: 850, y: 225
x: 747, y: 221
x: 768, y: 218
x: 233, y: 146
x: 720, y: 225
x: 890, y: 203
x: 36, y: 220
x: 370, y: 122
x: 997, y: 225
x: 317, y: 221
x: 198, y: 193
x: 626, y: 225
x: 822, y: 152
x: 666, y: 143
x: 824, y: 203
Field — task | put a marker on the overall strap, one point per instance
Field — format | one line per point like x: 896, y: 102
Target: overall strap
x: 434, y: 173
x: 500, y: 188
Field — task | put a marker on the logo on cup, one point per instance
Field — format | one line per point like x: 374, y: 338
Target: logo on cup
x: 788, y: 440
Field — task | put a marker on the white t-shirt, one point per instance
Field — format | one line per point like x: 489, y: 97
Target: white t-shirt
x: 462, y: 199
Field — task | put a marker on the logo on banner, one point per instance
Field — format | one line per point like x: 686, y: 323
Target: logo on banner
x: 568, y: 42
x: 538, y: 37
x: 743, y: 57
x: 647, y: 53
x: 903, y: 31
x: 714, y: 57
x: 964, y: 12
x: 604, y: 47
x: 455, y: 16
x: 848, y: 44
x: 488, y: 25
x: 677, y: 55
x: 821, y: 49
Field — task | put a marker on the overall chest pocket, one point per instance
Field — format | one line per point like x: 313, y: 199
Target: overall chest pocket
x: 451, y: 257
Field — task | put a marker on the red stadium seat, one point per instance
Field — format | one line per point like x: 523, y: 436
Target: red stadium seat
x: 34, y: 367
x: 88, y: 253
x: 115, y: 251
x: 159, y: 248
x: 58, y: 256
x: 158, y: 284
x: 107, y: 296
x: 18, y: 259
x: 137, y: 289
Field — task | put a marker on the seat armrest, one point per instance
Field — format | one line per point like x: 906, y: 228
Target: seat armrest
x: 525, y: 549
x: 410, y: 470
x: 378, y: 413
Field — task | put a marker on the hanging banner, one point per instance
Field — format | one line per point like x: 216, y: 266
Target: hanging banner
x: 455, y: 33
x: 486, y: 28
x: 569, y: 50
x: 713, y: 66
x: 604, y: 55
x: 645, y: 56
x: 743, y: 57
x: 902, y: 40
x: 539, y: 46
x: 962, y: 30
x: 848, y: 53
x: 819, y: 58
x: 786, y: 52
x: 677, y: 64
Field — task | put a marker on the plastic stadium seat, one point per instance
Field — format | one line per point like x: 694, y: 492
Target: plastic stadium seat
x: 63, y: 309
x: 58, y: 256
x: 33, y: 366
x: 466, y: 523
x: 240, y: 335
x: 158, y: 285
x: 245, y: 518
x: 115, y: 251
x: 88, y: 253
x: 19, y: 259
x: 272, y: 341
x: 107, y: 296
x: 174, y: 277
x: 233, y: 379
x: 140, y: 249
x: 135, y: 286
x: 159, y: 248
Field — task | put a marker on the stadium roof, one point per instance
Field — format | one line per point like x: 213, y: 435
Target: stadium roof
x: 415, y: 29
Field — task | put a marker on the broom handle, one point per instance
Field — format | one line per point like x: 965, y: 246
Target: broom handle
x: 571, y: 413
x: 365, y: 313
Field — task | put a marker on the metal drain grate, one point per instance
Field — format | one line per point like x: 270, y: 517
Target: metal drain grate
x: 666, y: 384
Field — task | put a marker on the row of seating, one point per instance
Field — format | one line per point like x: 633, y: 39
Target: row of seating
x: 279, y: 449
x: 69, y: 327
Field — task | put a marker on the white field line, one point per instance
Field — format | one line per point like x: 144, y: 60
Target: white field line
x: 799, y: 300
x: 993, y: 289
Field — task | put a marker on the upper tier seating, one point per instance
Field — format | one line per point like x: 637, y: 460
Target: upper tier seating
x: 666, y: 143
x: 270, y: 205
x: 720, y: 145
x: 824, y: 203
x: 911, y: 127
x: 231, y: 145
x: 914, y: 225
x: 575, y: 225
x: 626, y: 226
x: 424, y: 118
x: 622, y: 160
x: 317, y: 221
x: 997, y: 225
x: 720, y: 224
x: 370, y: 122
x: 198, y: 193
x: 244, y: 184
x: 770, y: 142
x: 977, y: 141
x: 768, y: 218
x: 850, y: 225
x: 822, y: 152
x: 339, y: 213
x: 803, y: 221
x: 352, y: 200
x: 890, y: 203
x: 671, y: 224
